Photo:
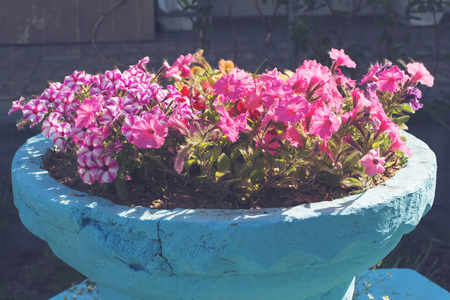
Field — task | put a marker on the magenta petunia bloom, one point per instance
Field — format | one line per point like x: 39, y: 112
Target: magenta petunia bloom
x: 293, y: 136
x: 77, y: 79
x: 180, y: 67
x: 87, y: 169
x: 341, y: 58
x: 51, y: 123
x: 390, y: 78
x: 61, y: 135
x: 231, y: 126
x: 420, y: 74
x: 398, y: 144
x: 324, y: 122
x: 292, y: 110
x: 88, y: 111
x: 373, y: 162
x: 91, y: 147
x: 229, y: 88
x: 276, y: 92
x: 147, y: 132
x: 16, y: 106
x: 107, y: 169
x: 35, y: 110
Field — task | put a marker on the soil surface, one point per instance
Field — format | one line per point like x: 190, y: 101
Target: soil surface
x: 182, y: 195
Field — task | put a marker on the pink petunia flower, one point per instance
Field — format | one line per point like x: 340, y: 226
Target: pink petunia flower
x: 275, y: 93
x: 341, y: 58
x: 50, y: 124
x: 146, y: 131
x: 91, y: 147
x: 293, y: 136
x: 87, y: 169
x: 372, y: 75
x: 16, y: 106
x: 398, y: 144
x: 324, y: 122
x: 292, y: 110
x: 228, y: 88
x: 180, y: 67
x: 231, y: 126
x: 390, y: 78
x: 35, y: 110
x: 373, y: 163
x: 61, y: 135
x: 88, y: 111
x: 107, y: 169
x: 420, y: 74
x: 77, y: 79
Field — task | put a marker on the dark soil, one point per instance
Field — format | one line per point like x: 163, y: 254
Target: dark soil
x: 183, y: 195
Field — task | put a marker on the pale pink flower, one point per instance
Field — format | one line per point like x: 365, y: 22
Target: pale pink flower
x: 373, y: 163
x: 341, y: 58
x: 147, y: 132
x: 420, y: 74
x: 324, y: 122
x: 107, y: 169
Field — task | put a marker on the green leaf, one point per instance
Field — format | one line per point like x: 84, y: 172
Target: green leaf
x: 349, y: 182
x: 223, y: 163
x: 401, y: 120
x: 407, y: 108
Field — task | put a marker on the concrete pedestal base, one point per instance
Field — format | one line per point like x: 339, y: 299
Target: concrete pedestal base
x: 398, y: 284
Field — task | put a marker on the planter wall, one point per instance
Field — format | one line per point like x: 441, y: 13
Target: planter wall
x: 304, y: 252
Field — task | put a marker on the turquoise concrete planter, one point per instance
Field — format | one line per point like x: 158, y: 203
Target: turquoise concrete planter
x: 304, y: 252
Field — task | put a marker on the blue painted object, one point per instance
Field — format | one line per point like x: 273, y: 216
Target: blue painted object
x: 396, y: 284
x: 304, y: 252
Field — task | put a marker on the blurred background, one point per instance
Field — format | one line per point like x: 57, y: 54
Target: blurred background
x: 43, y: 41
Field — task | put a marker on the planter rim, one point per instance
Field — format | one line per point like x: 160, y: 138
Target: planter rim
x: 27, y: 163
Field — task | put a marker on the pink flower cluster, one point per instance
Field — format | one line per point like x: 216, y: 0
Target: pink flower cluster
x: 102, y: 115
x: 87, y: 110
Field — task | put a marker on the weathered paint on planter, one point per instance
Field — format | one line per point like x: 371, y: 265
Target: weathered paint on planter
x: 304, y: 252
